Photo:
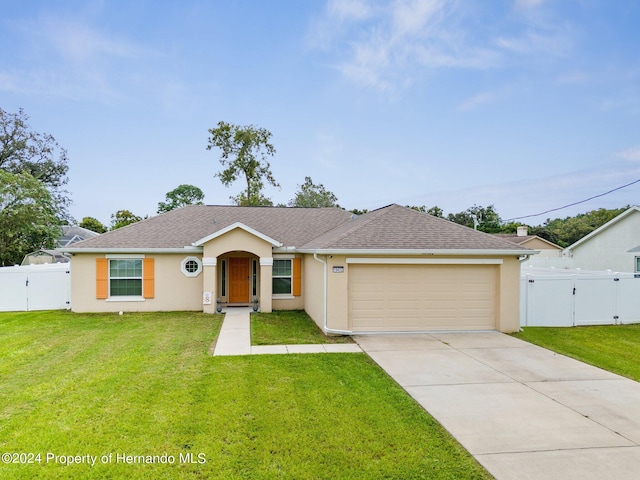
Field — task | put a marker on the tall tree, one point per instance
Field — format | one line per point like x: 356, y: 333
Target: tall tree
x: 313, y: 196
x: 39, y: 154
x: 181, y: 196
x: 28, y: 219
x: 122, y: 218
x: 244, y: 154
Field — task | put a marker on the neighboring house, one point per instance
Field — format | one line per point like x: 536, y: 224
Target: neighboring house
x: 550, y: 254
x: 534, y: 242
x: 70, y: 234
x: 614, y: 246
x: 390, y: 270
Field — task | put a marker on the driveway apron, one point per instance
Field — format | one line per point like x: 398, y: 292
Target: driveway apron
x: 522, y: 411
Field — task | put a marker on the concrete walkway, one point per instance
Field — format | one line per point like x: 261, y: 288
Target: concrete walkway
x: 235, y: 339
x: 522, y: 411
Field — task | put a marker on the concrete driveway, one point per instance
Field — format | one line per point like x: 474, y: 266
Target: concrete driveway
x: 522, y: 411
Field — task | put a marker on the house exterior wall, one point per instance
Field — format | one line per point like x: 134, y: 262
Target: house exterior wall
x: 237, y: 240
x: 313, y: 288
x: 507, y: 301
x: 173, y: 290
x: 546, y: 250
x: 509, y: 296
x: 608, y: 250
x: 337, y: 292
x: 243, y: 243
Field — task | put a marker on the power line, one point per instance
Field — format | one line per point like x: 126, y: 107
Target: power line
x: 575, y: 203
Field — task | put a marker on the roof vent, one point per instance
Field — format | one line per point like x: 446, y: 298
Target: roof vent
x: 523, y: 231
x: 353, y: 216
x: 214, y: 220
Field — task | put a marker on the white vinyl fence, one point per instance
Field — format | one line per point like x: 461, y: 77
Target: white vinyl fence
x: 35, y: 287
x: 566, y: 298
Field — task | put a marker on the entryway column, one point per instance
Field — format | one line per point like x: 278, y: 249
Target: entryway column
x: 266, y: 268
x: 209, y: 281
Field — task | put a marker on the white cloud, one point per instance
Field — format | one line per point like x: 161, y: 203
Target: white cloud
x: 477, y: 100
x: 388, y: 45
x: 631, y: 154
x: 411, y: 17
x: 573, y: 78
x: 349, y: 9
x: 527, y: 4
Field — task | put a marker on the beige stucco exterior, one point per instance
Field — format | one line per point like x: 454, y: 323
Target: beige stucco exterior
x: 503, y: 272
x: 546, y: 249
x: 173, y: 290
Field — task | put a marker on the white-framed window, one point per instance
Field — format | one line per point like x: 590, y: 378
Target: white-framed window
x: 637, y: 264
x: 125, y: 277
x: 282, y: 276
x: 191, y: 266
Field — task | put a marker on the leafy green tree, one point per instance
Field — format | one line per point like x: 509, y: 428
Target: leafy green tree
x: 571, y: 229
x: 244, y: 154
x: 181, y: 196
x: 434, y: 211
x: 487, y: 218
x: 122, y: 218
x: 28, y: 217
x: 256, y: 200
x: 39, y: 154
x: 92, y: 224
x: 313, y: 196
x: 357, y: 211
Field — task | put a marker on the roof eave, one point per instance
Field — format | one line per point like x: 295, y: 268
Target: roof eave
x: 188, y: 249
x: 400, y: 252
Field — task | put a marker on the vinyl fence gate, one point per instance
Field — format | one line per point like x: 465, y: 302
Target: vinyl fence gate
x: 574, y: 299
x: 35, y: 287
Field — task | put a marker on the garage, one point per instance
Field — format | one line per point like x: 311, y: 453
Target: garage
x: 416, y: 297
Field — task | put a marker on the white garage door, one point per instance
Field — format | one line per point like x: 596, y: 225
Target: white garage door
x: 422, y: 297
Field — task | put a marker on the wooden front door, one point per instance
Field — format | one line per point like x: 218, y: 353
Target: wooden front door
x: 239, y: 280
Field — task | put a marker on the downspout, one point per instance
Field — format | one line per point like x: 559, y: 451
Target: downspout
x: 524, y: 258
x: 325, y: 328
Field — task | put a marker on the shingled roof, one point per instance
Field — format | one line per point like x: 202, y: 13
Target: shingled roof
x: 182, y: 227
x: 389, y: 228
x: 397, y: 227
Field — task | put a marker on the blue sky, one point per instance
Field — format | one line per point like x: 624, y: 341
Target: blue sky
x: 524, y: 104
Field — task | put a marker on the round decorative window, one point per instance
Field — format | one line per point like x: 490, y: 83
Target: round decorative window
x: 191, y: 266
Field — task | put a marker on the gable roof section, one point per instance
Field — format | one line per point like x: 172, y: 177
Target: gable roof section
x: 400, y: 228
x: 610, y: 223
x: 181, y: 228
x: 240, y: 226
x: 524, y: 239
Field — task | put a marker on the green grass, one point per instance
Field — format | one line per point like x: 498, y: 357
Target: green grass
x: 612, y: 347
x: 289, y: 327
x: 143, y: 384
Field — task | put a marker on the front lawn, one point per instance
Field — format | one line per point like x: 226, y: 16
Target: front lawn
x: 141, y: 388
x: 612, y: 347
x: 289, y: 327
